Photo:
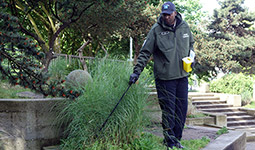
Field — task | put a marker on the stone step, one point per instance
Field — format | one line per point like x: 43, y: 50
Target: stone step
x: 209, y: 102
x: 153, y: 93
x: 205, y: 98
x: 246, y: 128
x: 239, y: 113
x: 220, y: 110
x: 55, y: 147
x: 195, y: 94
x: 152, y: 89
x: 213, y: 106
x: 240, y: 118
x: 240, y: 123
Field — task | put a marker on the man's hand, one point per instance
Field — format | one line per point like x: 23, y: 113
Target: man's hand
x: 133, y: 78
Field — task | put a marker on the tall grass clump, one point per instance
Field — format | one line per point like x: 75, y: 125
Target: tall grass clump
x: 58, y: 68
x: 84, y: 116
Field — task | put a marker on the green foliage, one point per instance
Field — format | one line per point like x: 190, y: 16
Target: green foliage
x: 231, y: 18
x: 8, y: 92
x: 191, y: 10
x: 230, y: 43
x: 234, y: 84
x: 246, y: 97
x: 195, y: 144
x: 20, y: 59
x: 148, y: 141
x: 75, y: 64
x: 250, y: 105
x: 223, y: 130
x: 86, y: 115
x: 58, y: 68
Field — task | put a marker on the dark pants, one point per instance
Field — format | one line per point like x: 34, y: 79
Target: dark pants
x: 173, y: 100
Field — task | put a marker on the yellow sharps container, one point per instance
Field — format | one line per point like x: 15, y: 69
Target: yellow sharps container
x: 187, y: 61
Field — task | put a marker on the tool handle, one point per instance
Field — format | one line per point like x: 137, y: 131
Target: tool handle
x: 113, y: 110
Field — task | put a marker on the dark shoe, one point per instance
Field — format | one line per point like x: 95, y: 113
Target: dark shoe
x: 178, y: 145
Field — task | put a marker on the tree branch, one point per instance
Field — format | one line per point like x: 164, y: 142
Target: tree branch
x: 106, y: 53
x: 81, y: 54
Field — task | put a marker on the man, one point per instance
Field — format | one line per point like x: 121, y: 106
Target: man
x: 169, y: 40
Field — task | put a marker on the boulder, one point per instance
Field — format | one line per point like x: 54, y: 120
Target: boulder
x: 78, y: 78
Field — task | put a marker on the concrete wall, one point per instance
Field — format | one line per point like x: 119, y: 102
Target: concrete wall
x: 231, y: 99
x: 28, y: 124
x: 234, y: 140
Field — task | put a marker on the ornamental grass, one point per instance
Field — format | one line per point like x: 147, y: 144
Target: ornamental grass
x: 84, y: 117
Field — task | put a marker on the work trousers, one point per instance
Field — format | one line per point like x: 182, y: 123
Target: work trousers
x: 173, y: 101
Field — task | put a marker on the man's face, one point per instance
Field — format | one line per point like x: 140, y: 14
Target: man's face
x: 169, y: 19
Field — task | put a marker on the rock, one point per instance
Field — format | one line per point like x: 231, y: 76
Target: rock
x: 28, y: 94
x: 78, y: 78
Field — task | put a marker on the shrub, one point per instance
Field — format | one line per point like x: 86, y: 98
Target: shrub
x: 234, y: 84
x: 85, y: 115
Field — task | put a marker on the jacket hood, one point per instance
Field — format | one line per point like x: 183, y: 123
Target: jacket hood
x: 162, y: 23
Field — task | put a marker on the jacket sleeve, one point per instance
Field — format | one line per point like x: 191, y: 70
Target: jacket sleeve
x: 191, y: 48
x: 145, y: 52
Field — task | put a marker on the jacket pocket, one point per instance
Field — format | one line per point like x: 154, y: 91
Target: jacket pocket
x: 165, y: 41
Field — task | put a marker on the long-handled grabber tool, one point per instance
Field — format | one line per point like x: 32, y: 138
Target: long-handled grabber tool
x: 113, y: 110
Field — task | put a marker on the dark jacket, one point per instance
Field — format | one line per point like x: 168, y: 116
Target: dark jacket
x: 168, y: 46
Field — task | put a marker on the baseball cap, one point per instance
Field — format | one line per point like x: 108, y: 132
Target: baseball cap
x: 168, y: 8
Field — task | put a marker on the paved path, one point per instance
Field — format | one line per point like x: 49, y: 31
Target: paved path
x: 197, y: 132
x: 250, y: 146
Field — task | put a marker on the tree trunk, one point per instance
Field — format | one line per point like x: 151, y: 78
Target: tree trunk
x: 137, y: 49
x: 46, y: 62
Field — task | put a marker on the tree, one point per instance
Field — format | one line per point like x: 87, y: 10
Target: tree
x: 44, y: 20
x: 20, y: 59
x: 230, y: 44
x: 114, y: 21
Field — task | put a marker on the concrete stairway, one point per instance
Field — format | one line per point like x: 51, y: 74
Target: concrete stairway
x: 208, y: 102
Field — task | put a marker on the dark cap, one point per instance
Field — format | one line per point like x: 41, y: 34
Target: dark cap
x: 168, y: 8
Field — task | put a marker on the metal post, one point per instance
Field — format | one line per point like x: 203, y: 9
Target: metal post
x: 253, y: 91
x: 131, y: 50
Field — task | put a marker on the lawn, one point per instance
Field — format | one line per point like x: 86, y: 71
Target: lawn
x: 8, y: 92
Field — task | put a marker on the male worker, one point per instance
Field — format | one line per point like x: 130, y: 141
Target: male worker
x: 169, y: 40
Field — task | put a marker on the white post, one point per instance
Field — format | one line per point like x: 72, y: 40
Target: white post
x: 253, y: 91
x: 131, y: 49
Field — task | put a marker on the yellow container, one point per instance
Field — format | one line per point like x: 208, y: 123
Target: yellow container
x: 187, y: 61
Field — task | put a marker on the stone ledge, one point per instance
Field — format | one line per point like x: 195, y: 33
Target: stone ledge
x: 28, y: 124
x: 200, y: 121
x: 213, y: 119
x: 234, y: 140
x: 32, y: 100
